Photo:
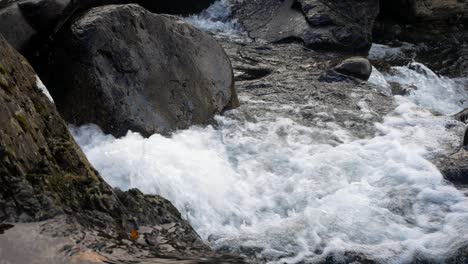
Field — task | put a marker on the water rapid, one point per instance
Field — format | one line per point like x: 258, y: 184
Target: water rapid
x: 264, y: 185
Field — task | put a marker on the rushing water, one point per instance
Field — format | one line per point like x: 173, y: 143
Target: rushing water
x: 278, y: 189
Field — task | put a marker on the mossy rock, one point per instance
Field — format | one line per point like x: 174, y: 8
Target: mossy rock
x: 23, y: 122
x: 3, y: 70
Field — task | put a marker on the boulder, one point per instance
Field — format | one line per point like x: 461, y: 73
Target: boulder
x: 332, y: 25
x: 454, y: 168
x: 15, y: 27
x: 43, y: 172
x: 357, y: 67
x: 21, y: 21
x: 427, y: 10
x: 44, y: 176
x: 44, y: 14
x: 125, y: 68
x: 462, y: 116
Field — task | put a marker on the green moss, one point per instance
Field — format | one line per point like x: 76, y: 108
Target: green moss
x: 63, y: 183
x: 2, y: 69
x: 23, y: 122
x: 34, y: 179
x: 40, y: 108
x: 4, y: 83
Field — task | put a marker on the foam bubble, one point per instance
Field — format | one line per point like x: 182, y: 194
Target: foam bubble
x: 268, y: 186
x: 217, y: 19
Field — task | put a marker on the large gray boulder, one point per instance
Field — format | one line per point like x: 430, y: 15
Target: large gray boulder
x: 46, y: 178
x: 125, y: 68
x: 26, y: 21
x: 332, y: 25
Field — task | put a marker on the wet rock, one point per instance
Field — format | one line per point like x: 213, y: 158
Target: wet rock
x: 28, y: 24
x: 399, y: 89
x: 454, y: 168
x: 317, y: 103
x: 462, y: 117
x: 427, y: 10
x: 125, y: 68
x: 331, y: 25
x: 44, y: 173
x: 15, y: 27
x: 44, y: 14
x: 45, y: 176
x: 357, y: 67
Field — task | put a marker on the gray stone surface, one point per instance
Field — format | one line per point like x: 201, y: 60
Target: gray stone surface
x: 331, y: 25
x: 122, y: 67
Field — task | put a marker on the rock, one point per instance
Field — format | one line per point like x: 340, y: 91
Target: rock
x: 177, y: 7
x: 28, y: 23
x: 44, y: 173
x: 439, y: 25
x: 455, y: 167
x: 332, y: 25
x: 44, y: 14
x: 317, y: 103
x: 357, y: 67
x: 14, y: 26
x: 411, y: 10
x: 124, y: 68
x: 46, y: 177
x: 462, y: 117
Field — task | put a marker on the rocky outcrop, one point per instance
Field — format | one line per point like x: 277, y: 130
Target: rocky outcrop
x: 289, y: 75
x: 44, y: 176
x: 43, y: 171
x: 439, y: 24
x: 454, y: 168
x: 332, y: 25
x: 428, y: 10
x: 28, y: 23
x: 122, y: 67
x: 15, y: 27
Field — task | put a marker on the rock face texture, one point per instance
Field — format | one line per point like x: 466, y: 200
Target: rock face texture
x: 23, y: 22
x: 357, y: 67
x: 412, y: 10
x: 332, y: 25
x: 43, y: 171
x: 122, y: 67
x: 44, y: 176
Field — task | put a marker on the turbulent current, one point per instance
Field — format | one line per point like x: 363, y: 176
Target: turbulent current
x: 268, y: 186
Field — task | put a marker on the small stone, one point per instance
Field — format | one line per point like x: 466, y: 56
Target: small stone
x: 357, y: 67
x: 168, y: 226
x: 145, y: 230
x: 127, y: 242
x: 167, y: 248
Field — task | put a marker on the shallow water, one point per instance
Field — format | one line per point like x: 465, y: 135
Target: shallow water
x: 268, y: 186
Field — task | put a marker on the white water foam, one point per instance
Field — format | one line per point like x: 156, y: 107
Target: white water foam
x: 271, y: 187
x: 216, y: 19
x: 40, y: 85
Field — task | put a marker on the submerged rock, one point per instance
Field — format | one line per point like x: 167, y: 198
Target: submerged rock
x: 332, y: 25
x: 124, y: 68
